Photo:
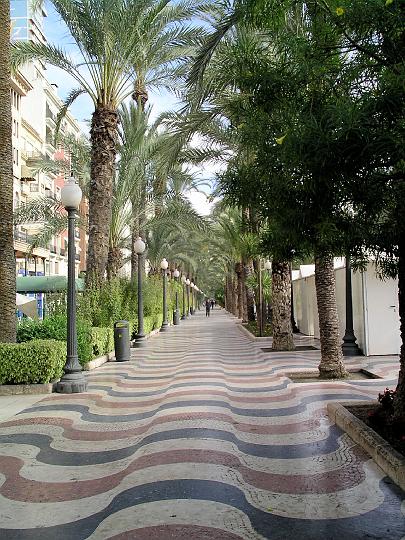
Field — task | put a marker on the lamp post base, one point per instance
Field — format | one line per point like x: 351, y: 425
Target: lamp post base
x: 140, y: 341
x: 164, y: 327
x: 350, y: 347
x: 176, y: 317
x: 72, y: 383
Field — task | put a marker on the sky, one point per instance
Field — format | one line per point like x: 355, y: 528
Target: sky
x: 57, y: 33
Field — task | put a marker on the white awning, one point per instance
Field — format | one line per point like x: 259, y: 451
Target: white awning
x: 27, y: 305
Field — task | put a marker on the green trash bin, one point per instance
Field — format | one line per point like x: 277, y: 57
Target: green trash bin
x: 121, y: 341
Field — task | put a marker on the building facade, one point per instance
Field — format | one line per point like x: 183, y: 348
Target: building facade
x: 35, y: 105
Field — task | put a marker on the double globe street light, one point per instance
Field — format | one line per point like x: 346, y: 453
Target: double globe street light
x: 139, y: 248
x: 73, y: 380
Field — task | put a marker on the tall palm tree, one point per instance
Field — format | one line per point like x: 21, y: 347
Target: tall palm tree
x: 111, y: 37
x: 7, y: 258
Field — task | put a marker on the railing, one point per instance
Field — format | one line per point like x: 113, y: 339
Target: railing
x: 19, y: 235
x: 22, y: 236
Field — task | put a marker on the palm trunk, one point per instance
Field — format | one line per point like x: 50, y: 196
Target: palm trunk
x: 104, y: 136
x: 7, y: 258
x: 399, y: 400
x: 230, y: 294
x: 235, y: 294
x: 114, y: 263
x: 134, y: 256
x: 240, y: 289
x: 281, y: 296
x: 250, y: 295
x: 331, y: 365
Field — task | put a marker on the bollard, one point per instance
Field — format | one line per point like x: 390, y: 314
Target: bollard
x: 121, y: 341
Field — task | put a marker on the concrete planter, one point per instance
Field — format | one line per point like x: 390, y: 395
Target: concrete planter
x: 265, y: 339
x: 26, y: 389
x: 97, y: 362
x: 390, y: 461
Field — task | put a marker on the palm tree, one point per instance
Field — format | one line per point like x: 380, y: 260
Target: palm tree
x: 46, y: 212
x: 7, y: 258
x: 112, y: 36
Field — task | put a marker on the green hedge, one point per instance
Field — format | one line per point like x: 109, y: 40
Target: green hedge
x: 37, y: 361
x: 55, y: 327
x: 102, y: 340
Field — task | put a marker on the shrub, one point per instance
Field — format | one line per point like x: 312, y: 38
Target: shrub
x: 387, y: 399
x: 102, y: 340
x: 37, y: 361
x: 56, y: 328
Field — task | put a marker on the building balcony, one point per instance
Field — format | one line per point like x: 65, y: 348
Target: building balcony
x: 21, y: 236
x: 51, y: 122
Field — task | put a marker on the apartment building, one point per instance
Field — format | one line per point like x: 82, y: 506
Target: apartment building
x: 35, y: 105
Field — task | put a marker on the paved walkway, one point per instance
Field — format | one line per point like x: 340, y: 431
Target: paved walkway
x: 200, y: 437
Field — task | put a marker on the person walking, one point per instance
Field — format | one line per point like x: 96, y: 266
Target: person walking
x: 207, y: 307
x: 212, y: 304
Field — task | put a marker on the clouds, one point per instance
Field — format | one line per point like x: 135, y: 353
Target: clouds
x: 201, y: 202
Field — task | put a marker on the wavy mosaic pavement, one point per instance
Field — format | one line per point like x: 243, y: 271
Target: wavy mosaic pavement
x: 201, y: 436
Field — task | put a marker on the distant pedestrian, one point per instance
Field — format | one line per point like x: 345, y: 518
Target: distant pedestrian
x: 207, y: 308
x: 212, y: 304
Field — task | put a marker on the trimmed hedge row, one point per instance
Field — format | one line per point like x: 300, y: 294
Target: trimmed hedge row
x: 55, y: 327
x: 33, y: 362
x: 91, y: 342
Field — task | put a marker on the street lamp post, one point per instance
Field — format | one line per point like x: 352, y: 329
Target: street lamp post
x: 164, y: 265
x: 176, y: 318
x: 188, y: 283
x: 192, y: 298
x: 349, y: 346
x: 267, y: 268
x: 73, y: 380
x: 139, y: 248
x: 183, y: 281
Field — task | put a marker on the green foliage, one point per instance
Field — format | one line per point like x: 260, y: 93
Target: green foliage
x: 114, y: 300
x: 37, y: 361
x: 102, y: 340
x: 252, y: 282
x: 56, y: 328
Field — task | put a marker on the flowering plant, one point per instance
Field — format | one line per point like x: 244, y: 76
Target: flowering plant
x: 387, y: 398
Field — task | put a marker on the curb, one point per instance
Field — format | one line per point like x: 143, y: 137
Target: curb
x: 26, y: 389
x: 97, y: 362
x: 245, y: 331
x: 390, y: 461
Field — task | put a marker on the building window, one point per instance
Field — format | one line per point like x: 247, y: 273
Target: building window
x: 15, y: 156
